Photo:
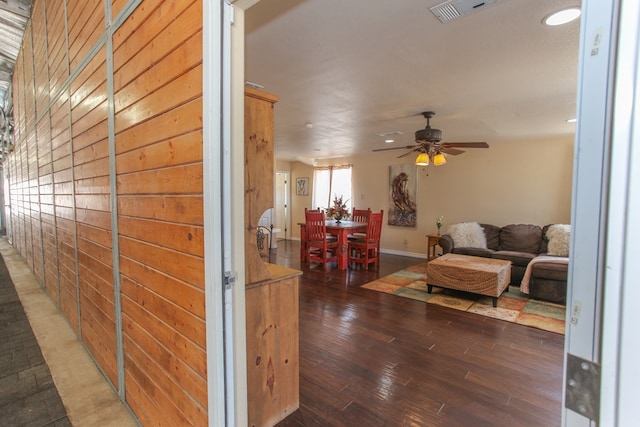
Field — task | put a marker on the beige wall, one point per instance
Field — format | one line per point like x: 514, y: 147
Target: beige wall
x: 298, y: 203
x: 516, y: 182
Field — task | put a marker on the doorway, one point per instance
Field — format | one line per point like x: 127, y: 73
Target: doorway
x: 281, y: 205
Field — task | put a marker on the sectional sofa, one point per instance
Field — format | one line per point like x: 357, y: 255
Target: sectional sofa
x: 541, y: 272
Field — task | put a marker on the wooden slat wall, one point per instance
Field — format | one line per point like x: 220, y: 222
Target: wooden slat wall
x: 158, y: 114
x: 41, y: 74
x: 93, y: 212
x: 61, y: 181
x: 63, y: 208
x: 117, y: 6
x: 17, y: 180
x: 56, y: 45
x: 86, y: 25
x: 47, y: 213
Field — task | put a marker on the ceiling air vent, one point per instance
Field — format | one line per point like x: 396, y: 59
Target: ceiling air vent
x: 453, y: 9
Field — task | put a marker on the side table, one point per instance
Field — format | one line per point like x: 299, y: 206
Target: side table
x: 432, y: 244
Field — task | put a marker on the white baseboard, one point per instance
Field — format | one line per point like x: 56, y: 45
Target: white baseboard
x: 403, y: 253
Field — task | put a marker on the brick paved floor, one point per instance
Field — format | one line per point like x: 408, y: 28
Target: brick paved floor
x: 28, y: 396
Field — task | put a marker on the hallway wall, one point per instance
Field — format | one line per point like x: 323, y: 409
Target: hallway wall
x: 105, y: 190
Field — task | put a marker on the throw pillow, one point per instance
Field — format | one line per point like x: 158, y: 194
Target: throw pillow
x: 559, y: 236
x: 467, y: 235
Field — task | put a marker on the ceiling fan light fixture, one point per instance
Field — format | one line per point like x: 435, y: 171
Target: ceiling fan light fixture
x: 439, y: 159
x: 422, y: 159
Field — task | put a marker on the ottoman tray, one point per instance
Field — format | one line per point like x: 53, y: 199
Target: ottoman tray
x: 484, y: 276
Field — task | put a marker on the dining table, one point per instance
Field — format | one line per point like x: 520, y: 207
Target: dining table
x: 341, y: 229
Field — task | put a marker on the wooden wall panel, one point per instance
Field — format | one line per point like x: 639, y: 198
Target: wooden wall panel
x: 147, y: 22
x: 67, y: 265
x: 19, y: 89
x: 258, y: 164
x: 116, y: 7
x: 40, y: 57
x: 34, y: 206
x: 86, y: 25
x: 57, y: 45
x: 95, y: 258
x: 61, y: 178
x: 47, y: 216
x: 28, y: 153
x: 168, y: 125
x: 63, y: 208
x: 158, y: 112
x: 29, y: 89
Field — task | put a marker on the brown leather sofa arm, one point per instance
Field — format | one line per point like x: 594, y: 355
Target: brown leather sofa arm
x: 446, y: 243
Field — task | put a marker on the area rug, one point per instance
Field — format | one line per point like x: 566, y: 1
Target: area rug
x: 513, y: 306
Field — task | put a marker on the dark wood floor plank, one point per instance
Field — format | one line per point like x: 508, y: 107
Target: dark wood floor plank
x: 373, y: 359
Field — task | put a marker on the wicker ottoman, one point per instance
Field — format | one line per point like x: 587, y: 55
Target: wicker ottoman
x: 484, y: 276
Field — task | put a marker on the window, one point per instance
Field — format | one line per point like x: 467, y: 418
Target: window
x: 330, y: 182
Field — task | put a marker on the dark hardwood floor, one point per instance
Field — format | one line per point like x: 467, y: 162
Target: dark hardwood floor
x: 372, y: 359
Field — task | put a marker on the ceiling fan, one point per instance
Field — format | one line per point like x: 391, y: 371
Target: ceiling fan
x: 430, y: 148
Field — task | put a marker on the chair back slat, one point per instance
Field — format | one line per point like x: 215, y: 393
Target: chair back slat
x: 316, y: 226
x: 374, y: 227
x: 360, y: 215
x: 318, y: 246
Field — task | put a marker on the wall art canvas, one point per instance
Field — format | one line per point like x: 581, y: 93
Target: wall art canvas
x: 302, y: 187
x: 402, y: 195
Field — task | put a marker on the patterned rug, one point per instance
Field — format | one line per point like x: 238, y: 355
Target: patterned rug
x: 513, y: 306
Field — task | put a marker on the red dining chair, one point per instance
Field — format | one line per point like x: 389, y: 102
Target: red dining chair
x: 304, y: 250
x: 321, y: 247
x: 367, y: 250
x: 359, y: 215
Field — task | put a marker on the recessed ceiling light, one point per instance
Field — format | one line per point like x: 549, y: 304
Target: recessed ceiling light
x: 571, y: 120
x: 563, y: 16
x: 389, y: 141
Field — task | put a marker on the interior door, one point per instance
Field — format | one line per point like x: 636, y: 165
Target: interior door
x: 282, y: 204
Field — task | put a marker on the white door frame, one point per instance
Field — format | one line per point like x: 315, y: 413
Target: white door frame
x: 601, y: 320
x: 218, y: 224
x: 286, y: 230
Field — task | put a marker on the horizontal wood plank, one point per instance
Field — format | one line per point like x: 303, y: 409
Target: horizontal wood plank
x: 175, y: 180
x: 185, y: 267
x: 180, y: 120
x: 186, y: 209
x: 183, y: 89
x: 179, y: 150
x: 178, y: 292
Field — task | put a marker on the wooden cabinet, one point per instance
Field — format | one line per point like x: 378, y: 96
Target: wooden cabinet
x: 271, y: 291
x: 258, y: 174
x: 272, y: 347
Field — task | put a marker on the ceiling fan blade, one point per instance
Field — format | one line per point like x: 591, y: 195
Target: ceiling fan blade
x: 395, y: 148
x: 452, y: 151
x: 465, y: 144
x: 408, y: 152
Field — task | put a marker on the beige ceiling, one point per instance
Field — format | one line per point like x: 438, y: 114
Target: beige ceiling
x: 358, y: 68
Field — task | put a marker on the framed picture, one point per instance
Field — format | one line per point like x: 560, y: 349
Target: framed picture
x: 302, y: 186
x: 402, y: 195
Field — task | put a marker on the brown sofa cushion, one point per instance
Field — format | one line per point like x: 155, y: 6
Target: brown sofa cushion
x: 549, y: 271
x: 520, y: 238
x: 486, y: 253
x: 516, y: 258
x: 492, y: 233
